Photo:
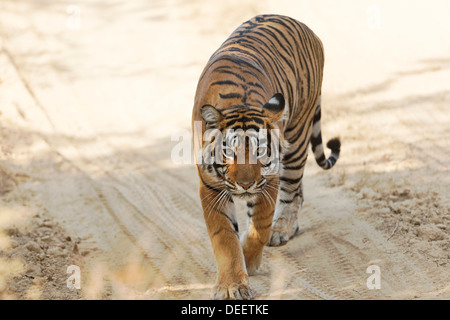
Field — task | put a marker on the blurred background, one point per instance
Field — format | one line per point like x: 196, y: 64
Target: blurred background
x: 92, y: 91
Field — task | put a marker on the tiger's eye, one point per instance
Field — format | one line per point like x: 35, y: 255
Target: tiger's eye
x: 228, y: 152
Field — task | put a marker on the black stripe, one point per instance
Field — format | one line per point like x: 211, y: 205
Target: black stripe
x: 207, y: 185
x: 251, y: 126
x: 254, y: 114
x: 288, y: 156
x: 286, y: 190
x: 298, y: 167
x: 246, y: 119
x: 251, y: 73
x: 331, y: 161
x: 256, y: 92
x: 232, y: 122
x: 234, y: 116
x: 317, y: 115
x: 225, y: 82
x: 316, y: 141
x: 218, y: 174
x: 255, y: 84
x: 273, y: 107
x: 236, y: 226
x: 258, y: 120
x: 239, y: 108
x: 212, y: 61
x: 296, y: 158
x: 258, y: 102
x: 321, y: 160
x: 292, y: 200
x: 291, y: 181
x: 233, y: 95
x: 240, y: 77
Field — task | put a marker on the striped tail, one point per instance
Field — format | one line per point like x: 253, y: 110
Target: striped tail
x: 317, y: 146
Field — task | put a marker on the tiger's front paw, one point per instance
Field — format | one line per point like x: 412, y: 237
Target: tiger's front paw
x: 233, y: 288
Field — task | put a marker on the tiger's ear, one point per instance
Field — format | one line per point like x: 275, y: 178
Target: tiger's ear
x: 211, y: 115
x: 275, y: 107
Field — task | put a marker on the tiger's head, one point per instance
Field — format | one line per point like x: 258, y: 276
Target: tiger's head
x: 242, y: 146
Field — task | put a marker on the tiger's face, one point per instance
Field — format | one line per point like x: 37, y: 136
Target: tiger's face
x: 242, y: 146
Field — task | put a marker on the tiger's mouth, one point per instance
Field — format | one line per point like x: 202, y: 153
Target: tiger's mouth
x: 245, y: 194
x: 252, y: 192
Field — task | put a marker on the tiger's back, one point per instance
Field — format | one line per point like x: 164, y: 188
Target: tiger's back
x: 265, y: 55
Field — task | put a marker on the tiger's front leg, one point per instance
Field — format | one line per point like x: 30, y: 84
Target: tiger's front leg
x: 260, y: 213
x: 219, y: 212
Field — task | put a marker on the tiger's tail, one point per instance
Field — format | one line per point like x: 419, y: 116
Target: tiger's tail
x: 317, y: 146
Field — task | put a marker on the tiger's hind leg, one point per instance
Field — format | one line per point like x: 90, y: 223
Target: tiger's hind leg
x: 285, y: 223
x: 290, y: 198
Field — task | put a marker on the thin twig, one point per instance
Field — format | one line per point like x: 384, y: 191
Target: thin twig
x: 393, y: 232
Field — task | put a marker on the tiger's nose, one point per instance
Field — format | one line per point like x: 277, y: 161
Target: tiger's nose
x: 246, y: 185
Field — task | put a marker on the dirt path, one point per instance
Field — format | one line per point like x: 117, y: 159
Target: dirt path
x: 86, y: 122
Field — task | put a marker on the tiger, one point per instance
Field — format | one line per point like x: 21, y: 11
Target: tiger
x: 266, y: 76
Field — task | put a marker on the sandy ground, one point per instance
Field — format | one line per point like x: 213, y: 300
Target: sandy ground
x: 88, y: 105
